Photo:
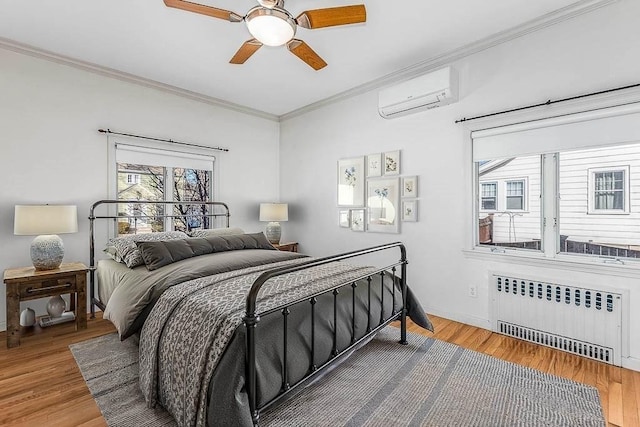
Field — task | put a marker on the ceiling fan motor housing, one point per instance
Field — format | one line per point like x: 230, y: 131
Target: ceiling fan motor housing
x: 272, y: 27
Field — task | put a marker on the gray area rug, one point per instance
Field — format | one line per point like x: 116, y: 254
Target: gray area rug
x: 427, y: 383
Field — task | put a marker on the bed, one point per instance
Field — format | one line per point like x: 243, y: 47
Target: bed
x: 229, y: 326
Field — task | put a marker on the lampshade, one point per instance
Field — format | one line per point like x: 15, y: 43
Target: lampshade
x: 34, y: 220
x: 274, y: 212
x: 271, y: 27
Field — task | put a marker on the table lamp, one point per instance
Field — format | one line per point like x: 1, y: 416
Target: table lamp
x: 274, y: 212
x: 45, y: 222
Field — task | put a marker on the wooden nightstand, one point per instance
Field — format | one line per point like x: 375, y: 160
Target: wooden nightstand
x: 25, y: 284
x: 287, y: 247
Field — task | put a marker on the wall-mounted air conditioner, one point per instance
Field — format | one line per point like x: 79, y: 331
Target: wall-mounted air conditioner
x: 431, y: 90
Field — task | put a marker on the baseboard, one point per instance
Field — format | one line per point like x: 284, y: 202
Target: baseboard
x: 3, y: 326
x: 461, y: 317
x: 631, y: 363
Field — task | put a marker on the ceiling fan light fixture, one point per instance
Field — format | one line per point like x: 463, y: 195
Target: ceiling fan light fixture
x: 271, y: 27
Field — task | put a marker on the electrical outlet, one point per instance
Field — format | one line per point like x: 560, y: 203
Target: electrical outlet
x: 473, y: 291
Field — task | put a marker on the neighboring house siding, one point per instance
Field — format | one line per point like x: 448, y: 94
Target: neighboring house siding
x: 576, y: 221
x: 516, y: 225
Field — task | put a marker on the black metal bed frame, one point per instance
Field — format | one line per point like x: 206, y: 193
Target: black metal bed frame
x: 252, y: 317
x: 92, y: 217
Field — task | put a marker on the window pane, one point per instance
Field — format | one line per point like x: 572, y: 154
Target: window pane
x: 509, y: 226
x: 515, y: 203
x: 489, y: 204
x: 140, y: 182
x: 594, y: 214
x: 191, y: 185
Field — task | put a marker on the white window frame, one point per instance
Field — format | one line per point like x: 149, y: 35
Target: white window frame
x: 591, y: 210
x: 600, y: 127
x: 164, y: 149
x: 497, y: 196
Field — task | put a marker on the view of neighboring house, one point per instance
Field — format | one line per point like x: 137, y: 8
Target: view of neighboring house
x: 599, y: 204
x: 141, y: 182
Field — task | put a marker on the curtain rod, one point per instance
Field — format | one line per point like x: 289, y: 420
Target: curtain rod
x: 170, y: 141
x: 549, y: 102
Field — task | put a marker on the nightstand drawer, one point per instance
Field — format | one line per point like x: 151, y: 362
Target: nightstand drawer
x: 46, y: 287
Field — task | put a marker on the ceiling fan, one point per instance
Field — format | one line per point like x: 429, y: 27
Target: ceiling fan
x: 271, y: 24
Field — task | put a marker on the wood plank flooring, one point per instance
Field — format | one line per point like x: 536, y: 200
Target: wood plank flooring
x: 40, y: 384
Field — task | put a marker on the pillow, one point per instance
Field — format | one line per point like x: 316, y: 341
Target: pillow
x: 159, y: 254
x: 127, y: 252
x: 216, y: 232
x: 112, y: 253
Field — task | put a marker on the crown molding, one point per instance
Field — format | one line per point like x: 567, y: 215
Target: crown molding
x: 569, y: 12
x: 564, y: 14
x: 35, y: 52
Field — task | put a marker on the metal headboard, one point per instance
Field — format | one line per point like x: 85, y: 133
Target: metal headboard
x: 210, y: 213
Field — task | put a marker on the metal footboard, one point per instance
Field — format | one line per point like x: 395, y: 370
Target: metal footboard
x: 252, y: 318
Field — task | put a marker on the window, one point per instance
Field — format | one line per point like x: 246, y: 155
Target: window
x: 133, y: 178
x: 162, y: 175
x: 489, y: 194
x: 515, y: 195
x: 502, y: 219
x: 565, y: 185
x: 608, y: 190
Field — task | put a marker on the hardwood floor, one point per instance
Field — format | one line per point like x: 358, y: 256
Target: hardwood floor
x: 40, y: 384
x: 619, y: 388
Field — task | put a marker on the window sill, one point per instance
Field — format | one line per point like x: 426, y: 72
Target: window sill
x: 564, y: 262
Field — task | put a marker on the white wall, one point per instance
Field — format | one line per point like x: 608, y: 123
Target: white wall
x: 51, y: 151
x: 592, y: 52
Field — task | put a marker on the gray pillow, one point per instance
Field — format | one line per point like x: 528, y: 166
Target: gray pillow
x: 127, y: 252
x: 159, y: 254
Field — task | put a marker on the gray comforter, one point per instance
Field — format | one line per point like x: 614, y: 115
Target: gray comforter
x: 192, y: 348
x: 138, y: 289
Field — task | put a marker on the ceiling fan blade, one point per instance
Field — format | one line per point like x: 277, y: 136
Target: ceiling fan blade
x: 246, y: 50
x: 329, y: 17
x: 304, y: 52
x: 204, y: 10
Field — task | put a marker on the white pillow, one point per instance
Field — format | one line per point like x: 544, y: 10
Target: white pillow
x: 216, y: 232
x: 126, y: 250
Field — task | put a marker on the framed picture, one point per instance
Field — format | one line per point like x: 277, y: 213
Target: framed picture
x: 383, y: 201
x: 345, y: 218
x: 410, y: 186
x: 357, y: 219
x: 374, y: 165
x: 351, y: 182
x: 391, y: 163
x: 410, y: 210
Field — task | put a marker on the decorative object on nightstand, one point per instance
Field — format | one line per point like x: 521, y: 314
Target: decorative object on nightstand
x: 274, y: 213
x: 45, y: 222
x: 56, y: 306
x: 27, y: 317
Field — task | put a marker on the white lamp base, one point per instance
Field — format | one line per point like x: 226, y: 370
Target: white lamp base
x: 47, y: 252
x: 273, y: 232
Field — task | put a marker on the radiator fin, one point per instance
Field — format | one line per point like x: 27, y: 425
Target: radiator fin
x: 581, y: 348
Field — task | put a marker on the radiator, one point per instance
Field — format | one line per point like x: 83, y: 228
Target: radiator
x: 582, y: 321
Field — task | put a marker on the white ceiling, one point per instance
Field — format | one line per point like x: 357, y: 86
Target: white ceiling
x: 190, y: 51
